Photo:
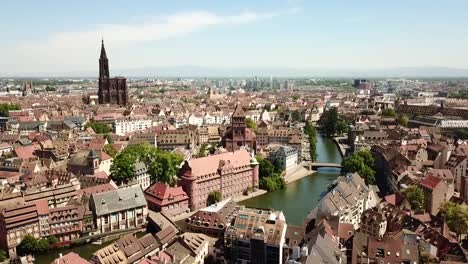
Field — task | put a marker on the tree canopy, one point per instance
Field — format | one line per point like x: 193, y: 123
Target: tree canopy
x: 31, y: 245
x: 214, y: 197
x: 251, y: 123
x: 99, y: 128
x: 162, y: 166
x: 270, y: 176
x: 5, y: 109
x: 331, y: 122
x: 388, y: 112
x: 403, y: 120
x: 456, y: 217
x: 311, y: 133
x: 361, y: 162
x: 342, y: 127
x: 110, y: 150
x: 203, y: 150
x: 415, y: 197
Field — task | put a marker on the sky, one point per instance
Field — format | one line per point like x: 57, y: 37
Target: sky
x: 65, y: 36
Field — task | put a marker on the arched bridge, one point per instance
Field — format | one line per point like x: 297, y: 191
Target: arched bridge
x: 316, y: 165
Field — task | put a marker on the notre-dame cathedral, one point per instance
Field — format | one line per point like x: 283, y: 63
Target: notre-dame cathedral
x: 111, y: 90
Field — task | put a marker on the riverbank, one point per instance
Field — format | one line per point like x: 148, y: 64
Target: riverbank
x: 297, y: 173
x: 342, y: 147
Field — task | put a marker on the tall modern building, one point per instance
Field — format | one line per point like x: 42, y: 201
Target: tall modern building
x: 111, y: 90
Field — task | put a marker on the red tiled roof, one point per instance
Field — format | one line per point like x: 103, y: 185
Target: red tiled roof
x: 96, y: 189
x: 71, y: 257
x: 210, y: 164
x: 42, y: 207
x: 162, y: 194
x: 430, y: 181
x: 105, y: 156
x: 25, y: 153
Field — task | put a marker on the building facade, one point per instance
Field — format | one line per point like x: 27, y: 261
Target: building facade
x: 119, y: 209
x: 170, y: 201
x: 231, y: 173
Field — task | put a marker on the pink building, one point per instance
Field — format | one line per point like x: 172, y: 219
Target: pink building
x: 231, y: 173
x: 162, y: 198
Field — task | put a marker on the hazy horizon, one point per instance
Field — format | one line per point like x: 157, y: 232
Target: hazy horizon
x: 341, y: 37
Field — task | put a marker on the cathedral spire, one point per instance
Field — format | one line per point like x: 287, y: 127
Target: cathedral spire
x: 103, y: 50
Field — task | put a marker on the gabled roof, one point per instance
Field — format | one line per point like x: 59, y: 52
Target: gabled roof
x: 238, y: 111
x: 118, y: 200
x: 430, y: 181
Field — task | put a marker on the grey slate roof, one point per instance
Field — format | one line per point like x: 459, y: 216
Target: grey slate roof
x: 118, y: 200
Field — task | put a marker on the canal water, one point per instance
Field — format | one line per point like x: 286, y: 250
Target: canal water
x: 301, y: 196
x: 296, y: 200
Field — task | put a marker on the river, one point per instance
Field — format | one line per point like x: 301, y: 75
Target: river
x: 301, y: 196
x: 296, y: 200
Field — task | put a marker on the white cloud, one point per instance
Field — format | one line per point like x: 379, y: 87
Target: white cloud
x: 78, y: 49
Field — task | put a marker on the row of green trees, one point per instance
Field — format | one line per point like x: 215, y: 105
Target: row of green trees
x: 162, y: 166
x: 5, y: 109
x: 361, y: 162
x: 333, y: 125
x: 31, y: 245
x: 270, y: 178
x: 311, y: 133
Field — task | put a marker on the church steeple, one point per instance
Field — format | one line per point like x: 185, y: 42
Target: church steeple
x: 103, y: 63
x: 103, y: 51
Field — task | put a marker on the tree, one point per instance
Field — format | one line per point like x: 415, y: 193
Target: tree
x: 296, y: 116
x: 203, y: 149
x: 6, y: 107
x: 99, y: 128
x: 403, y: 120
x: 52, y: 239
x: 415, y: 197
x: 214, y: 197
x: 110, y: 150
x: 361, y: 162
x: 388, y: 112
x: 3, y: 255
x: 31, y: 245
x: 295, y: 97
x: 266, y: 168
x: 163, y: 166
x: 123, y: 167
x: 311, y: 133
x: 251, y: 123
x: 342, y: 127
x: 109, y: 138
x: 456, y: 217
x: 331, y: 122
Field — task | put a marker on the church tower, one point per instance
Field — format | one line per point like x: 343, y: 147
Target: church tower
x: 103, y: 63
x: 111, y: 90
x: 238, y: 124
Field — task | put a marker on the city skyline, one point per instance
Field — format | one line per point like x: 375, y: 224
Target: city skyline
x: 295, y: 35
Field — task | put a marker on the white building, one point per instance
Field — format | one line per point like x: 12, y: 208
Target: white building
x: 285, y: 156
x: 124, y: 126
x: 119, y: 209
x: 141, y: 175
x: 265, y: 116
x: 195, y: 120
